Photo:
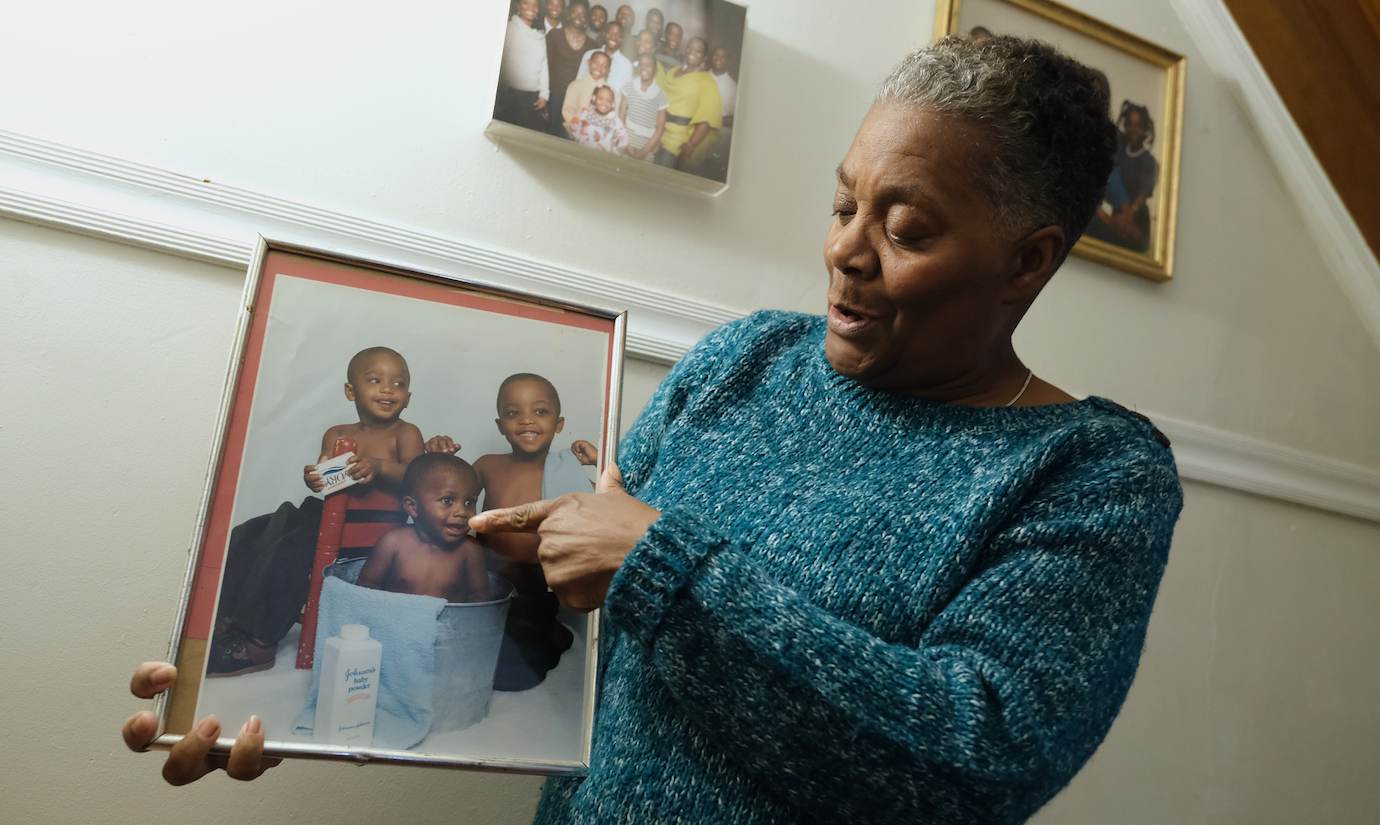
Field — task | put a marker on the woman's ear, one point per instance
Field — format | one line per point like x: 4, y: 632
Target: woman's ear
x: 1037, y: 256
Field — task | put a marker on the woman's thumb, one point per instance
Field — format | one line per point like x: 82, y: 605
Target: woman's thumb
x: 611, y: 480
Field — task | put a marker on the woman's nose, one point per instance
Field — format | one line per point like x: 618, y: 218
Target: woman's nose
x: 851, y: 252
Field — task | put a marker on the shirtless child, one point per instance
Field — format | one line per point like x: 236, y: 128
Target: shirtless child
x: 257, y: 608
x: 529, y: 417
x: 434, y: 555
x: 378, y: 382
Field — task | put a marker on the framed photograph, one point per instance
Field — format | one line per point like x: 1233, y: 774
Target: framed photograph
x: 334, y: 588
x: 647, y: 88
x: 1133, y: 229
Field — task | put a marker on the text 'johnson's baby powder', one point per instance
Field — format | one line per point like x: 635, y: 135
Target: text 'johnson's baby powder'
x: 349, y: 687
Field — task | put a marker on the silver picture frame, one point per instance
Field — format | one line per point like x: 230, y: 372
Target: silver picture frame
x: 177, y: 709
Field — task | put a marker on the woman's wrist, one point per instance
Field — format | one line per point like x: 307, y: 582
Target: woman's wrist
x: 657, y: 569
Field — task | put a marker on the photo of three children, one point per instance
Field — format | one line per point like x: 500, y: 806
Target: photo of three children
x: 472, y: 655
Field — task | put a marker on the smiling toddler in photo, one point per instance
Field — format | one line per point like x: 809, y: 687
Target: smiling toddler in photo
x: 377, y: 380
x: 529, y: 417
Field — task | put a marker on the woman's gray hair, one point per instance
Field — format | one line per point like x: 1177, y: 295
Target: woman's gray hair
x: 1050, y: 141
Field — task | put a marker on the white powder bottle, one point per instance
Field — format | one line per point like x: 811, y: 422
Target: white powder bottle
x: 349, y: 689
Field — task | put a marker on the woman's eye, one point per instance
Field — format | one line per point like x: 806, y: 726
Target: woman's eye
x: 903, y: 240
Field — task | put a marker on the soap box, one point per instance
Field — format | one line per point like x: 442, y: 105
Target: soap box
x: 333, y: 474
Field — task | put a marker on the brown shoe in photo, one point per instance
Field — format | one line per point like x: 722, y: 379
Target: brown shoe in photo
x: 232, y: 654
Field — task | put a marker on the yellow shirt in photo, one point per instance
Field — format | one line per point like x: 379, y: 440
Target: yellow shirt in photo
x: 693, y: 95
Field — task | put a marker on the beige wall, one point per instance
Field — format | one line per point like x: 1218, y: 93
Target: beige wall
x: 1255, y: 701
x: 1252, y: 704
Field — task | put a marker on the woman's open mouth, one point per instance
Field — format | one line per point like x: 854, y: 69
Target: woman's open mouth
x: 847, y: 322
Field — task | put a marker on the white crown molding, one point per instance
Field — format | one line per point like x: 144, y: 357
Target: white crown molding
x: 1339, y: 240
x: 1225, y: 459
x: 57, y: 185
x: 78, y: 191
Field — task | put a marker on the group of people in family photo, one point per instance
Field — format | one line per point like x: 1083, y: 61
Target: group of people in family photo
x: 429, y: 494
x: 642, y: 86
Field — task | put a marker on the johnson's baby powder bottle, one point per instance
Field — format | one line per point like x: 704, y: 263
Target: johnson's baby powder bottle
x: 349, y: 687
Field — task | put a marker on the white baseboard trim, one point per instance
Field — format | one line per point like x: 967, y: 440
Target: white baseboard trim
x: 1339, y: 240
x: 78, y: 191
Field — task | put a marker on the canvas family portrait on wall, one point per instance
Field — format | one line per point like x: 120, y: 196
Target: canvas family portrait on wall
x: 335, y: 588
x: 1134, y: 227
x: 645, y: 87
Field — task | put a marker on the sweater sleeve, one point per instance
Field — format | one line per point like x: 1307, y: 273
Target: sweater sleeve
x: 1008, y: 692
x: 710, y: 108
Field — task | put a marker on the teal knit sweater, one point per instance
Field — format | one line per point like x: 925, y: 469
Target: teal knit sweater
x: 861, y: 607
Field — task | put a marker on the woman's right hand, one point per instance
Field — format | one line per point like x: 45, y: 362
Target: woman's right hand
x: 313, y: 479
x: 191, y: 759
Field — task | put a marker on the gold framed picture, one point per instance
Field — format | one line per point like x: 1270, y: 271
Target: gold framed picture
x: 1133, y: 229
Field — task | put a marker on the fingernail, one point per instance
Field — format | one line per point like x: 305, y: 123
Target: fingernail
x: 164, y: 675
x: 208, y: 728
x: 254, y: 725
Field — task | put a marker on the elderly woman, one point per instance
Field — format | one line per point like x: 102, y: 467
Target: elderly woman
x: 869, y: 567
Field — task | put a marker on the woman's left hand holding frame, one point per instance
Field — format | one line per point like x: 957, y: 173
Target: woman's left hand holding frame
x: 584, y: 536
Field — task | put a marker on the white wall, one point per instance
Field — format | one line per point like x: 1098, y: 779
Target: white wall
x: 1251, y: 705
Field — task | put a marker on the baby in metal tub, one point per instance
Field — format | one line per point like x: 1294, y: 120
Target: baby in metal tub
x: 434, y: 555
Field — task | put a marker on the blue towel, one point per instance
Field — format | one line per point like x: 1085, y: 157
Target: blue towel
x: 563, y: 473
x: 406, y: 625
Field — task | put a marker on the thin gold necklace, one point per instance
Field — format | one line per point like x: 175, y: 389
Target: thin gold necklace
x: 1028, y: 375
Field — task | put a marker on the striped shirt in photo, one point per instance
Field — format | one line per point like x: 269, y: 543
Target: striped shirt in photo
x: 643, y: 105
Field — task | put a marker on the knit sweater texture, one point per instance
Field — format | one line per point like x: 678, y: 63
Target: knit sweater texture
x: 863, y: 607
